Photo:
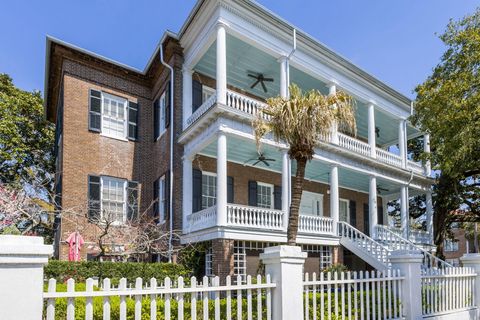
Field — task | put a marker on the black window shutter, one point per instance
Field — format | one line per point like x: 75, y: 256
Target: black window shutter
x: 196, y: 190
x: 155, y: 200
x: 132, y: 200
x: 252, y: 193
x: 93, y: 198
x: 95, y: 111
x: 353, y: 213
x: 168, y: 107
x: 380, y: 214
x: 156, y: 123
x: 166, y: 194
x: 277, y: 197
x: 230, y: 190
x: 366, y: 219
x: 197, y: 95
x: 133, y: 120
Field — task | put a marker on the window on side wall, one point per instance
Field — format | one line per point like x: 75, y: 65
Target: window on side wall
x: 264, y: 195
x: 209, y: 189
x: 451, y: 245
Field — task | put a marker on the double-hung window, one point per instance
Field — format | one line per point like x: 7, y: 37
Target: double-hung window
x: 162, y: 114
x: 113, y: 200
x: 344, y: 210
x: 161, y: 199
x: 451, y: 245
x: 112, y: 116
x: 161, y: 110
x: 207, y: 92
x: 264, y: 195
x: 209, y: 189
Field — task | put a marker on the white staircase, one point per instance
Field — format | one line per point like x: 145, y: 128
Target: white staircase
x: 376, y: 251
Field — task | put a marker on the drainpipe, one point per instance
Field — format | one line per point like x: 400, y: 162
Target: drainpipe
x: 170, y: 207
x: 288, y: 59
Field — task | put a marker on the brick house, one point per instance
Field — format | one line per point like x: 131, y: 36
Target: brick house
x: 115, y: 126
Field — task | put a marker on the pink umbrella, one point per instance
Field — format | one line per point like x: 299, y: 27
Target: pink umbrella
x: 75, y: 243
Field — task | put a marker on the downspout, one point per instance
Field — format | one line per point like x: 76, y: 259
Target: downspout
x: 170, y: 203
x: 288, y: 60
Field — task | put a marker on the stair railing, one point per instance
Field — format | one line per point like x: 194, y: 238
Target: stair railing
x: 396, y: 242
x: 368, y: 244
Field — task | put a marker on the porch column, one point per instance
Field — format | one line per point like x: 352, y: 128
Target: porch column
x: 221, y: 64
x: 372, y: 205
x: 371, y: 130
x: 426, y: 149
x: 283, y: 77
x: 429, y: 214
x: 332, y: 89
x: 402, y: 142
x: 187, y: 192
x: 221, y: 179
x: 187, y: 95
x: 404, y: 211
x: 285, y: 187
x: 334, y: 198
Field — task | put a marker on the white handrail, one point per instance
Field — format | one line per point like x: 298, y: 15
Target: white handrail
x: 388, y: 157
x: 397, y: 242
x: 202, y: 219
x: 243, y: 103
x: 353, y: 144
x: 202, y: 109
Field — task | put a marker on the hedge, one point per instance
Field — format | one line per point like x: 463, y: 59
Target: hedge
x: 80, y: 271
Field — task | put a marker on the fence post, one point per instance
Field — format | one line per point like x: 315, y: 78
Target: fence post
x: 472, y: 260
x: 284, y: 264
x: 409, y: 263
x: 21, y: 276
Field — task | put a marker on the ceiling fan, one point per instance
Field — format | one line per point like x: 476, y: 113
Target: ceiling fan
x: 377, y: 132
x: 261, y: 158
x: 259, y: 78
x: 380, y: 189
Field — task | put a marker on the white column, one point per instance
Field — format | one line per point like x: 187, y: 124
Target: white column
x: 429, y: 214
x: 404, y: 216
x: 285, y: 266
x: 21, y: 276
x: 283, y: 77
x: 472, y: 260
x: 221, y: 179
x: 221, y: 64
x: 187, y: 95
x: 372, y: 205
x: 402, y: 142
x: 371, y: 130
x: 334, y: 197
x: 410, y: 265
x: 426, y: 149
x: 332, y: 89
x: 285, y: 187
x: 187, y: 192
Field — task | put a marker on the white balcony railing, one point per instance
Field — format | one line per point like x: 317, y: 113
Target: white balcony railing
x: 415, y: 236
x: 353, y: 144
x: 202, y: 109
x: 313, y: 224
x: 243, y: 103
x: 203, y: 219
x: 415, y: 166
x: 389, y: 158
x: 254, y: 217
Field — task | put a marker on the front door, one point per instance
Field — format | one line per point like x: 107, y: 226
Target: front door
x: 311, y: 204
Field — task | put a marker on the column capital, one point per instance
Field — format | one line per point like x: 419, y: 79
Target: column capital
x: 282, y: 59
x: 187, y: 69
x: 221, y: 24
x: 332, y: 86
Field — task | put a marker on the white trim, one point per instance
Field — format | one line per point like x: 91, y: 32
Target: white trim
x: 272, y: 198
x: 348, y: 208
x: 117, y: 99
x: 124, y: 198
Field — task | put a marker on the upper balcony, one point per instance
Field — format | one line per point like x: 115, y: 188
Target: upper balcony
x: 221, y: 84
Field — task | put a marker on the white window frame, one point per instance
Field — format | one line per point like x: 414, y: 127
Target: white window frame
x: 209, y: 262
x: 161, y: 200
x: 207, y: 92
x: 211, y: 174
x: 240, y: 260
x: 451, y: 245
x: 162, y: 115
x: 102, y: 180
x: 326, y: 257
x: 348, y: 209
x: 125, y: 116
x: 268, y: 185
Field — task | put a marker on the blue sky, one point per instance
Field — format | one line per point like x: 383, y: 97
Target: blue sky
x: 393, y: 40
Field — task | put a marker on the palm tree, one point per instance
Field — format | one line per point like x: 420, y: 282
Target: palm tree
x: 301, y: 121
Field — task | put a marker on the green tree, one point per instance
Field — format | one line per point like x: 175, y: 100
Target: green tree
x: 301, y: 121
x: 448, y: 107
x: 26, y: 137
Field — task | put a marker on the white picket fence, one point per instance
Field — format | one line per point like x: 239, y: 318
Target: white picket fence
x: 180, y: 301
x: 353, y: 295
x: 447, y: 290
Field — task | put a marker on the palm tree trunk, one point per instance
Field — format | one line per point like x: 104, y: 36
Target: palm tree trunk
x: 295, y: 205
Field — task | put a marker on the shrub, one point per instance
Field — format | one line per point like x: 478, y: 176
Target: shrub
x: 80, y: 271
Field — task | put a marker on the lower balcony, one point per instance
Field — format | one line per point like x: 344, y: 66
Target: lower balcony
x: 255, y: 218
